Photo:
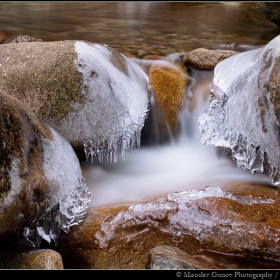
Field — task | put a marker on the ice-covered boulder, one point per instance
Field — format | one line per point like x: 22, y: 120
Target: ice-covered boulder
x: 42, y: 189
x: 240, y: 219
x: 90, y: 93
x: 244, y: 109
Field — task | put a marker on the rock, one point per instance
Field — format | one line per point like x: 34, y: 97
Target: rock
x: 244, y: 111
x: 35, y: 259
x: 20, y: 39
x: 240, y: 219
x: 41, y: 179
x: 271, y: 11
x: 169, y: 81
x: 206, y: 59
x: 167, y: 257
x: 89, y: 93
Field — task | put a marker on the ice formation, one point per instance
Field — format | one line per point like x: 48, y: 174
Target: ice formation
x: 69, y: 193
x: 185, y: 217
x: 241, y: 114
x: 117, y: 92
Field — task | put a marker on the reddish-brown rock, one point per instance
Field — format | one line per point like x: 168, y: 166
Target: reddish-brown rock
x: 241, y: 219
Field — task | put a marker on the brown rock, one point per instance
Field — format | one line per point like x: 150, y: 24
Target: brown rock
x: 35, y: 259
x: 148, y: 60
x: 169, y: 81
x: 241, y: 219
x: 38, y: 186
x: 206, y: 59
x: 23, y: 187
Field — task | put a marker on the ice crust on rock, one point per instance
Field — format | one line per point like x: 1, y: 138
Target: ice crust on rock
x: 240, y: 115
x: 69, y: 193
x: 183, y: 216
x: 117, y: 92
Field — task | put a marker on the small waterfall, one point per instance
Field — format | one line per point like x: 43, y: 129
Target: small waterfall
x: 165, y: 164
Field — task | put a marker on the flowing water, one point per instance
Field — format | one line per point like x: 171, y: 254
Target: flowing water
x: 153, y: 170
x: 143, y: 28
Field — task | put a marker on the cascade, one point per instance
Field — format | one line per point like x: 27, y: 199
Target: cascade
x: 159, y: 167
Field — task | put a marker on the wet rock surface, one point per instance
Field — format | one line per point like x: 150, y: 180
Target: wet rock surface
x: 241, y: 219
x: 206, y: 59
x: 169, y: 81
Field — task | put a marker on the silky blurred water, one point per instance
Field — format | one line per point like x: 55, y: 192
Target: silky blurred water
x: 140, y: 29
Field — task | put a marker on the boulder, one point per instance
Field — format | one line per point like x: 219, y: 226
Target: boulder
x: 91, y: 94
x: 239, y: 219
x: 244, y: 109
x: 31, y: 259
x: 41, y: 188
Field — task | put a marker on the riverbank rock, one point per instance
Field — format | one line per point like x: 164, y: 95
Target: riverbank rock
x: 244, y: 112
x: 241, y: 219
x: 206, y: 59
x: 89, y: 93
x: 32, y: 259
x: 41, y: 186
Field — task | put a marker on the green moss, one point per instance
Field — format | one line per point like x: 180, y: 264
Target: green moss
x: 44, y: 76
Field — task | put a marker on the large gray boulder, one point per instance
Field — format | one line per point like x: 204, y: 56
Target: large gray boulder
x: 244, y: 109
x: 90, y: 93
